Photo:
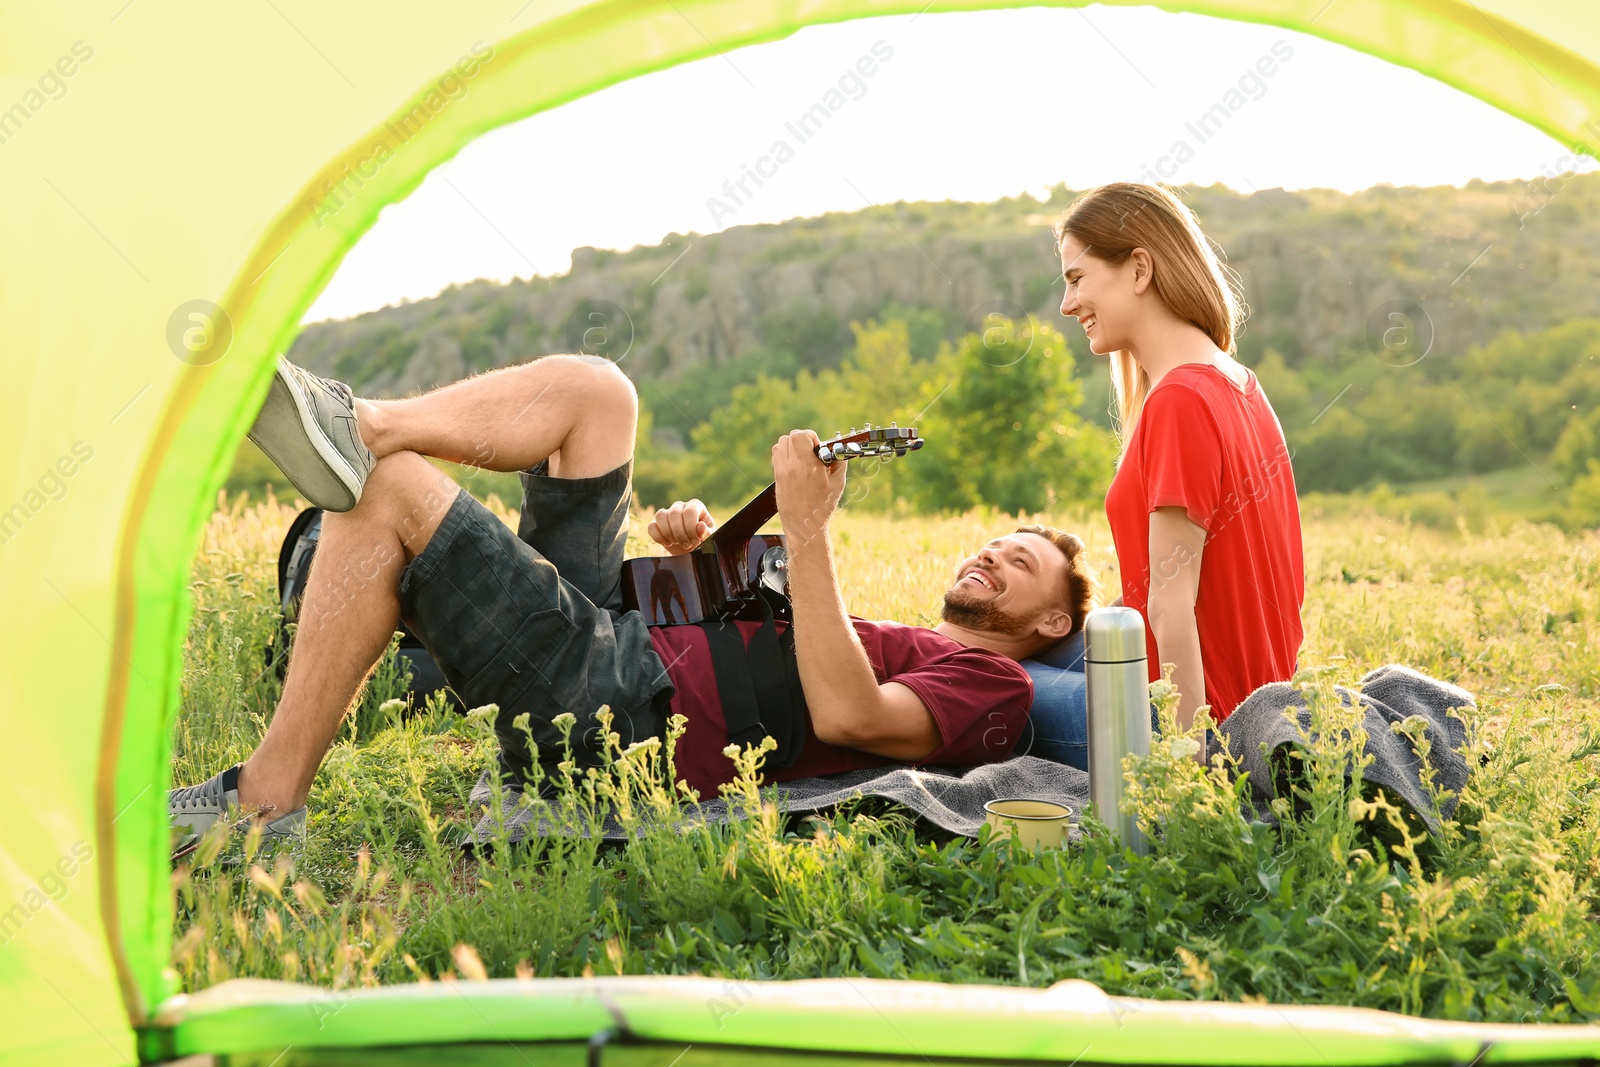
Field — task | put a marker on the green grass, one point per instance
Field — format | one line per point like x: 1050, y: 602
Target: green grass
x: 1498, y: 925
x: 1519, y: 491
x: 1478, y: 502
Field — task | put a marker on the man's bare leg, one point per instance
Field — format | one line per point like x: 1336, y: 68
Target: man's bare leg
x: 350, y: 611
x: 580, y: 415
x: 578, y: 412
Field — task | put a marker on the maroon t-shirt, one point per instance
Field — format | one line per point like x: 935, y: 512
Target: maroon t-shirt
x: 979, y: 700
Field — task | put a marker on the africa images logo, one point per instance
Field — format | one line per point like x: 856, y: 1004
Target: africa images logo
x: 399, y: 131
x: 51, y: 86
x: 803, y: 128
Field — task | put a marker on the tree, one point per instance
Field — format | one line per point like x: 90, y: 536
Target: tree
x: 1003, y: 428
x: 877, y: 383
x: 733, y: 448
x: 1578, y: 446
x: 1583, y: 500
x: 660, y: 474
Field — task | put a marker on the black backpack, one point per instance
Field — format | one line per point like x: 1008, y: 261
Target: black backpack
x: 294, y: 568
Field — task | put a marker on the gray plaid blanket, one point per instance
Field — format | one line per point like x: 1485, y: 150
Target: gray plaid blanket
x: 1259, y: 733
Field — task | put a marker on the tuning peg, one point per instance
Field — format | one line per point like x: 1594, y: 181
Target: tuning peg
x: 916, y: 443
x: 899, y: 451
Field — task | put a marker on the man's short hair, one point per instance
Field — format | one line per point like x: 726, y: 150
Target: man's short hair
x: 1082, y: 592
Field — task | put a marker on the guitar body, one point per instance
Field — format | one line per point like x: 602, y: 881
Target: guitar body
x: 721, y: 578
x: 700, y: 586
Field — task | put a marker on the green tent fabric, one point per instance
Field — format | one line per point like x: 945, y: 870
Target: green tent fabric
x: 161, y: 161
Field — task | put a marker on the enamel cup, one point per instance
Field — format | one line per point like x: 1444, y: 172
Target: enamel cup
x: 1032, y: 822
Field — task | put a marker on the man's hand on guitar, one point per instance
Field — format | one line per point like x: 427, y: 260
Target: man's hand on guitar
x: 808, y: 489
x: 682, y: 527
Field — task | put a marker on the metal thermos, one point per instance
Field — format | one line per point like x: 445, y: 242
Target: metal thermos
x: 1119, y: 711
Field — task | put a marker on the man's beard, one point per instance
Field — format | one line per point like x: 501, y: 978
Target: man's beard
x: 983, y: 615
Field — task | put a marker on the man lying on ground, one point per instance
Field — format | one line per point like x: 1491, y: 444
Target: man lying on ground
x: 533, y: 621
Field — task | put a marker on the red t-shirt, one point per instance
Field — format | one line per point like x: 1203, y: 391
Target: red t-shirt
x: 1217, y: 450
x: 979, y: 700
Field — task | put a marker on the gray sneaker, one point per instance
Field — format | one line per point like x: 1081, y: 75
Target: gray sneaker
x: 193, y: 810
x: 308, y: 428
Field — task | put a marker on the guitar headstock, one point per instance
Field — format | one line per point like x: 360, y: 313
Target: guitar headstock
x: 879, y: 441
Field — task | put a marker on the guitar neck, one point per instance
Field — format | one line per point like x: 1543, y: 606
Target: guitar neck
x: 732, y: 537
x: 720, y: 579
x: 747, y: 522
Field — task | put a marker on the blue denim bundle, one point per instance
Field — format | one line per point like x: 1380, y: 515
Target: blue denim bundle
x: 1058, y: 722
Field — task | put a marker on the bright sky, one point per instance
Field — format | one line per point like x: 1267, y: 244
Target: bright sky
x: 956, y: 106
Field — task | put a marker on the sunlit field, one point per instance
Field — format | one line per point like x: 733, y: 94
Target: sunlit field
x: 1498, y: 922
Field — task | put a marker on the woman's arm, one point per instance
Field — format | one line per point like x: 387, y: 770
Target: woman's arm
x: 1176, y: 546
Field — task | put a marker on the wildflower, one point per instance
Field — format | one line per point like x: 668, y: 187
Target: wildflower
x: 484, y: 716
x: 648, y: 746
x: 1184, y: 747
x: 565, y: 721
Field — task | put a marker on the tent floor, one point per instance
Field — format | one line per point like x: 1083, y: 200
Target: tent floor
x: 578, y: 1054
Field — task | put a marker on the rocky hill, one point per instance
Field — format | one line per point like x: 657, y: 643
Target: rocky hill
x: 1319, y: 269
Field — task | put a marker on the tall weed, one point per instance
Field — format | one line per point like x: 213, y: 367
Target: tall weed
x: 1340, y: 901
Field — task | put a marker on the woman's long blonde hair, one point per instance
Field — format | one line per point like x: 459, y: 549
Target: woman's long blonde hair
x: 1110, y: 222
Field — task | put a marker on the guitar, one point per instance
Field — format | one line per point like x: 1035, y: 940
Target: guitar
x: 720, y: 579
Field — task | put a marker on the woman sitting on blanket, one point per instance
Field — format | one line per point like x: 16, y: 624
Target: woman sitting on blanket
x: 1202, y: 509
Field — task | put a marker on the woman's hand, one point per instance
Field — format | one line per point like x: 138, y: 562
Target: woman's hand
x: 681, y: 528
